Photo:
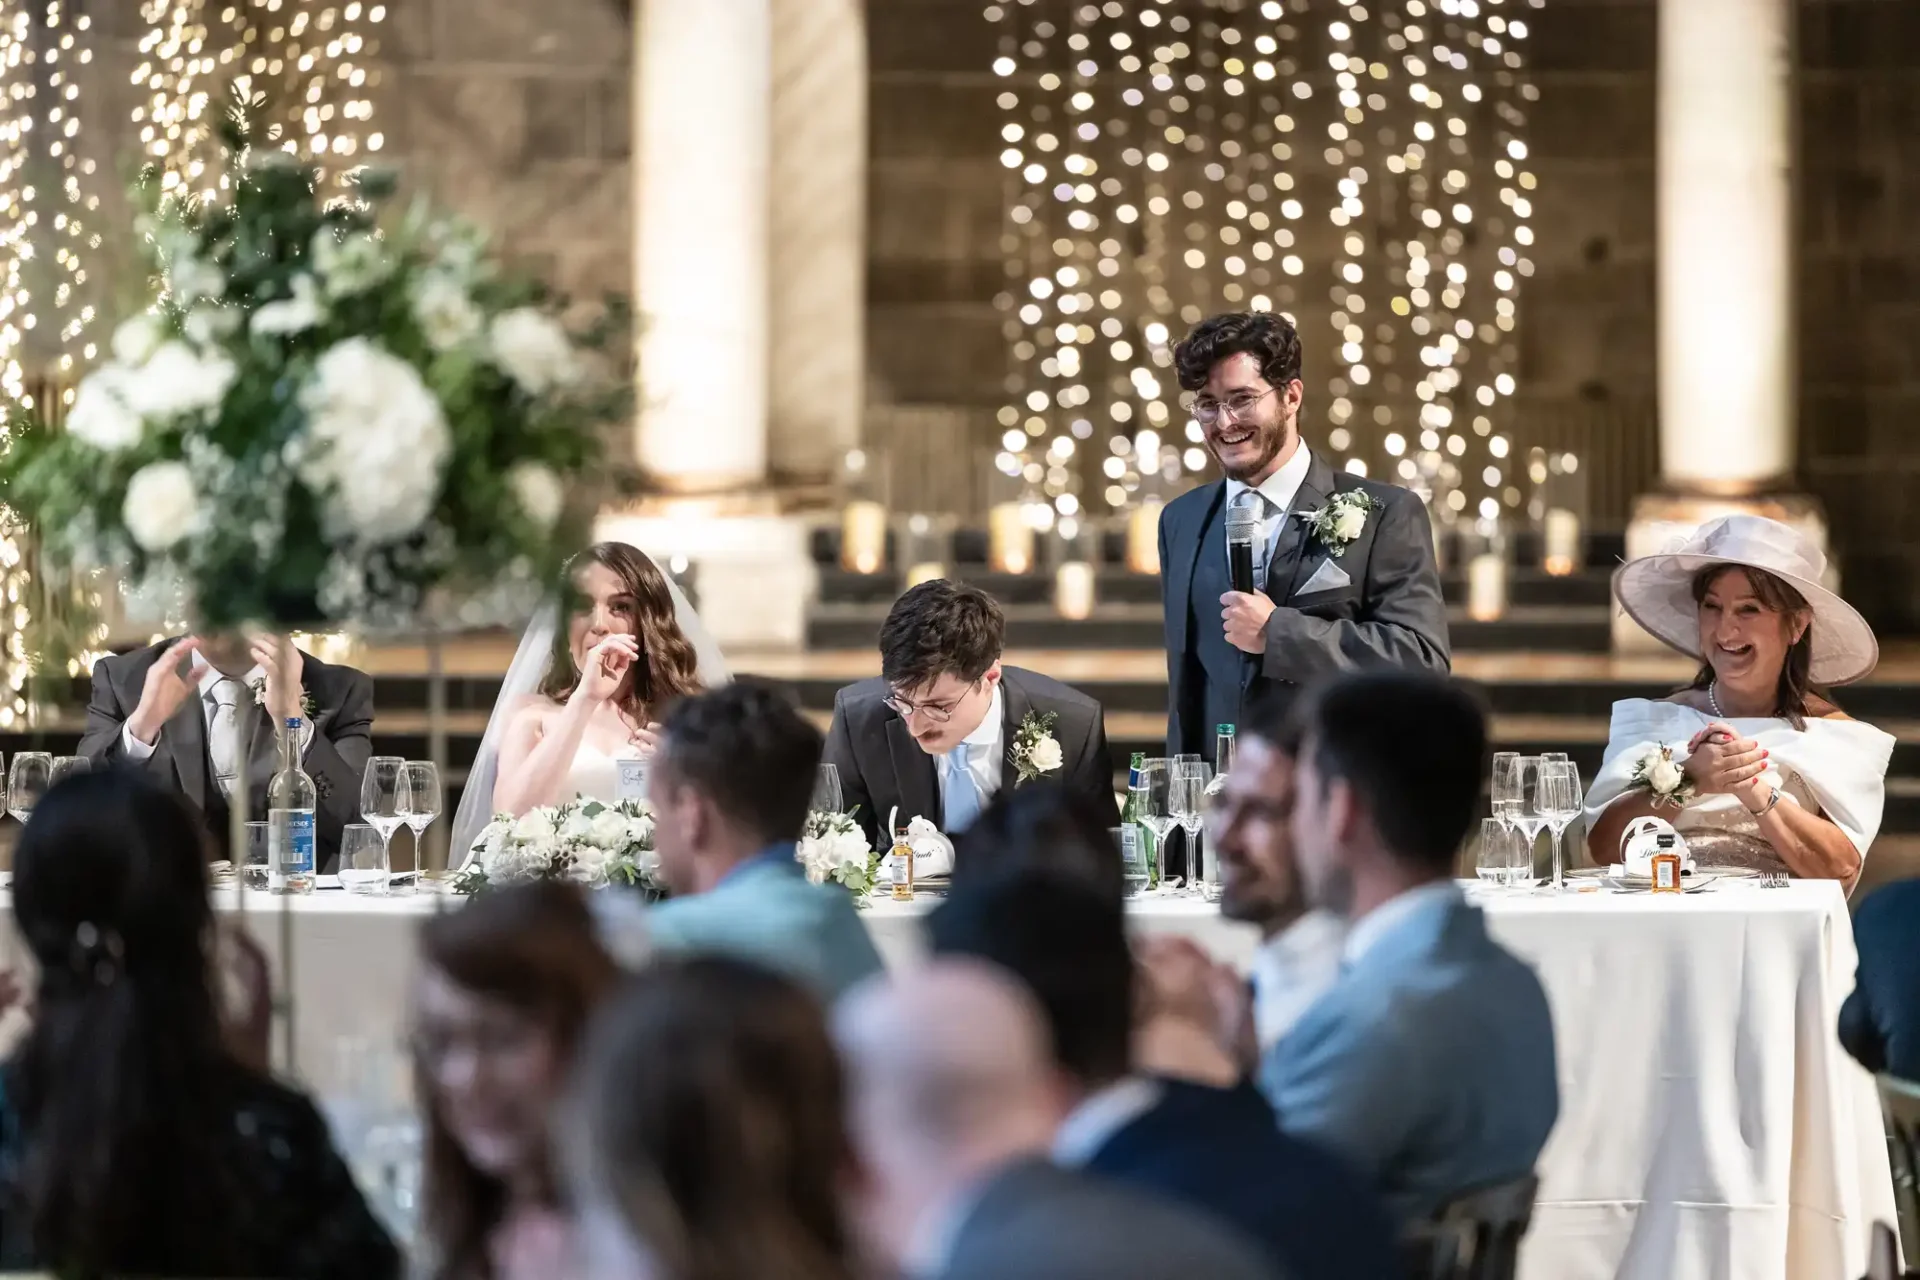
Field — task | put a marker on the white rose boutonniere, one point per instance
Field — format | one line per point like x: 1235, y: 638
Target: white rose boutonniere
x: 1036, y: 752
x: 1663, y: 777
x: 1342, y: 519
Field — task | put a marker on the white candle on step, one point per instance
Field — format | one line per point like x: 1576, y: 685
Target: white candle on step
x: 1073, y: 588
x: 1009, y: 539
x: 863, y: 537
x: 1486, y: 587
x: 1143, y: 537
x: 1562, y: 542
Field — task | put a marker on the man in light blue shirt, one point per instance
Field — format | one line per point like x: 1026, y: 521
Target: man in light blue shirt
x: 1429, y: 1063
x: 730, y: 786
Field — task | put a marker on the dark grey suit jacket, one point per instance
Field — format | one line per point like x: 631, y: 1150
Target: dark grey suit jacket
x: 1036, y: 1220
x: 336, y: 758
x: 1389, y: 613
x: 882, y: 766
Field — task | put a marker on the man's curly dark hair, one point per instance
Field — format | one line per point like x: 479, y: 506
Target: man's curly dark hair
x: 1269, y: 338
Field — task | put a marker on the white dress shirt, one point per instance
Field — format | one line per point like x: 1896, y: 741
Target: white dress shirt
x: 1279, y: 490
x: 209, y: 678
x: 985, y: 749
x: 1369, y: 929
x: 1292, y: 970
x: 1100, y: 1115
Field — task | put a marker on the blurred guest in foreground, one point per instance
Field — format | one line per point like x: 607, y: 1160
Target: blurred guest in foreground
x: 182, y: 710
x: 707, y: 1137
x: 1042, y: 825
x: 1216, y: 1148
x: 1299, y: 956
x: 730, y: 789
x: 506, y: 986
x: 1763, y: 770
x: 945, y: 727
x: 132, y: 1142
x: 1880, y: 1022
x: 955, y: 1105
x: 1429, y: 1063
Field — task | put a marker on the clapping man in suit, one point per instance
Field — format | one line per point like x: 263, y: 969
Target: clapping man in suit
x: 1342, y: 568
x: 181, y: 709
x: 946, y: 726
x: 953, y: 1104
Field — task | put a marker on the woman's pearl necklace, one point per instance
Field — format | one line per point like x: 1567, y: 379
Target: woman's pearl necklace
x: 1713, y: 700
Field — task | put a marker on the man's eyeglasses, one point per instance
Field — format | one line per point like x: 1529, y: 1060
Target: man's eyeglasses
x: 1207, y: 411
x: 937, y: 712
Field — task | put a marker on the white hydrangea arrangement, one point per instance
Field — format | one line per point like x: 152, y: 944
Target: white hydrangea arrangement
x: 583, y: 841
x: 316, y: 420
x: 833, y: 847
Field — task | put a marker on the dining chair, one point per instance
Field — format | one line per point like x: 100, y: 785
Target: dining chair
x: 1475, y: 1236
x: 1900, y: 1106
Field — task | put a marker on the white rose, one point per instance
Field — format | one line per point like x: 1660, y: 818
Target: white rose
x: 850, y: 851
x: 136, y: 339
x: 536, y: 826
x: 1664, y: 776
x: 100, y: 414
x: 292, y: 315
x: 1046, y: 755
x: 538, y: 492
x: 533, y: 350
x: 349, y: 264
x: 1351, y: 523
x: 174, y: 381
x: 609, y: 831
x: 161, y: 506
x: 444, y: 312
x: 814, y: 857
x: 590, y: 866
x: 375, y: 445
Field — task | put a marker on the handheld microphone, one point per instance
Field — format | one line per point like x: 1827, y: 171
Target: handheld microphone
x: 1243, y: 526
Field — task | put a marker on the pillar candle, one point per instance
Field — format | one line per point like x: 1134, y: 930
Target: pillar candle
x: 1143, y: 537
x: 1562, y: 542
x: 1009, y: 539
x: 1073, y: 588
x: 863, y: 537
x: 1486, y: 587
x: 925, y: 571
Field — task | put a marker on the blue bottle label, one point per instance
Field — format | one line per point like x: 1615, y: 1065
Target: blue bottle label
x: 296, y: 858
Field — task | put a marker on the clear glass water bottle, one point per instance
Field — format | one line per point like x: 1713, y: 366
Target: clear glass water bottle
x: 291, y: 801
x: 1222, y: 758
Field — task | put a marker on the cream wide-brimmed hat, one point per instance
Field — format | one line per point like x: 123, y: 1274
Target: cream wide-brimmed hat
x: 1657, y: 591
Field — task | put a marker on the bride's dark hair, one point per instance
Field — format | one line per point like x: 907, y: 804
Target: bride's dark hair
x: 668, y: 668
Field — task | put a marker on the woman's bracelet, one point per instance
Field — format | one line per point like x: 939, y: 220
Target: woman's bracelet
x: 1772, y: 799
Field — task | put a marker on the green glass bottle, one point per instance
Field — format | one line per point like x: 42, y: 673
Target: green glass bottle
x: 1133, y: 814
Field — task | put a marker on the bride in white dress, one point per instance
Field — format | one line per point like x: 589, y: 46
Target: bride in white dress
x: 575, y: 704
x: 1783, y: 779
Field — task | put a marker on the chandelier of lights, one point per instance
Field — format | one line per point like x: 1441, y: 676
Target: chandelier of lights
x: 1167, y: 159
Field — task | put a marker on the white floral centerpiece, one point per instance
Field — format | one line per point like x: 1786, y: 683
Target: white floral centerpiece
x: 582, y: 841
x: 320, y: 417
x: 833, y: 847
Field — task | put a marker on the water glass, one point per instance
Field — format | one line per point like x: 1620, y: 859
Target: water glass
x: 1505, y: 794
x: 1501, y: 860
x: 253, y: 868
x: 1558, y: 801
x: 1134, y: 871
x: 27, y: 781
x: 67, y: 766
x: 826, y: 790
x: 363, y: 860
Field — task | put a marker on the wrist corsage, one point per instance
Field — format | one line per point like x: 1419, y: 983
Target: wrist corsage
x: 1663, y: 778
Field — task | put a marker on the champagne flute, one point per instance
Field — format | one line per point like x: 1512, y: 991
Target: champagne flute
x: 418, y: 804
x: 1188, y: 864
x: 380, y: 791
x: 1186, y: 801
x: 1156, y: 780
x: 1506, y: 786
x: 27, y: 781
x: 826, y: 790
x: 1559, y: 804
x: 1524, y: 812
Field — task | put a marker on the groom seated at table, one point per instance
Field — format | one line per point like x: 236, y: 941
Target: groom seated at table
x: 179, y: 710
x: 730, y: 785
x: 945, y: 726
x: 1429, y: 1064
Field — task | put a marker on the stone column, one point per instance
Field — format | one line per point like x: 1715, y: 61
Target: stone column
x: 1724, y: 127
x: 819, y: 214
x: 703, y: 102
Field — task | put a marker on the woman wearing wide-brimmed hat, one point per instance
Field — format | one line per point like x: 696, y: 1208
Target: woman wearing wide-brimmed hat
x: 1751, y: 762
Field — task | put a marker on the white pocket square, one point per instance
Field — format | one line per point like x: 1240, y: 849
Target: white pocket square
x: 1328, y: 577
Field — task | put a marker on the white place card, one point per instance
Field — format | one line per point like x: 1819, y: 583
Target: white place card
x: 632, y: 783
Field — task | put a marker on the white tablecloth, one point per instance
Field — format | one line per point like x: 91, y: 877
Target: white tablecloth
x: 1711, y: 1127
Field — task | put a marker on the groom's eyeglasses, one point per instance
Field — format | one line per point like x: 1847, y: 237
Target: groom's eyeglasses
x: 1207, y: 411
x: 938, y: 712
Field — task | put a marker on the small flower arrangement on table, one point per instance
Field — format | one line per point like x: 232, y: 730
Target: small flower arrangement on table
x: 833, y: 847
x: 584, y: 842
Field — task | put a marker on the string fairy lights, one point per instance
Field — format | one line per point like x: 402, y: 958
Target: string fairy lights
x: 1169, y: 158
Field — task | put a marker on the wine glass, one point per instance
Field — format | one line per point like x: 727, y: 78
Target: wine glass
x: 1558, y: 803
x: 1156, y: 780
x: 363, y: 860
x: 27, y: 781
x: 1506, y: 786
x: 380, y: 794
x: 418, y: 804
x: 1187, y: 802
x: 826, y: 790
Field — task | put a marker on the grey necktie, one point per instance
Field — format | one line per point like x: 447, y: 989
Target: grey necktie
x: 224, y: 704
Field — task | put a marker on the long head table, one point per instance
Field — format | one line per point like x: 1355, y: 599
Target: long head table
x: 1711, y: 1128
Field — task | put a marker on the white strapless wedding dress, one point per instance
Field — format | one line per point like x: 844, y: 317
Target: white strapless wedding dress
x: 595, y: 774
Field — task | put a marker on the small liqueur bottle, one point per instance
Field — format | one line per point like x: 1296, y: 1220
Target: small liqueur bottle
x: 900, y: 867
